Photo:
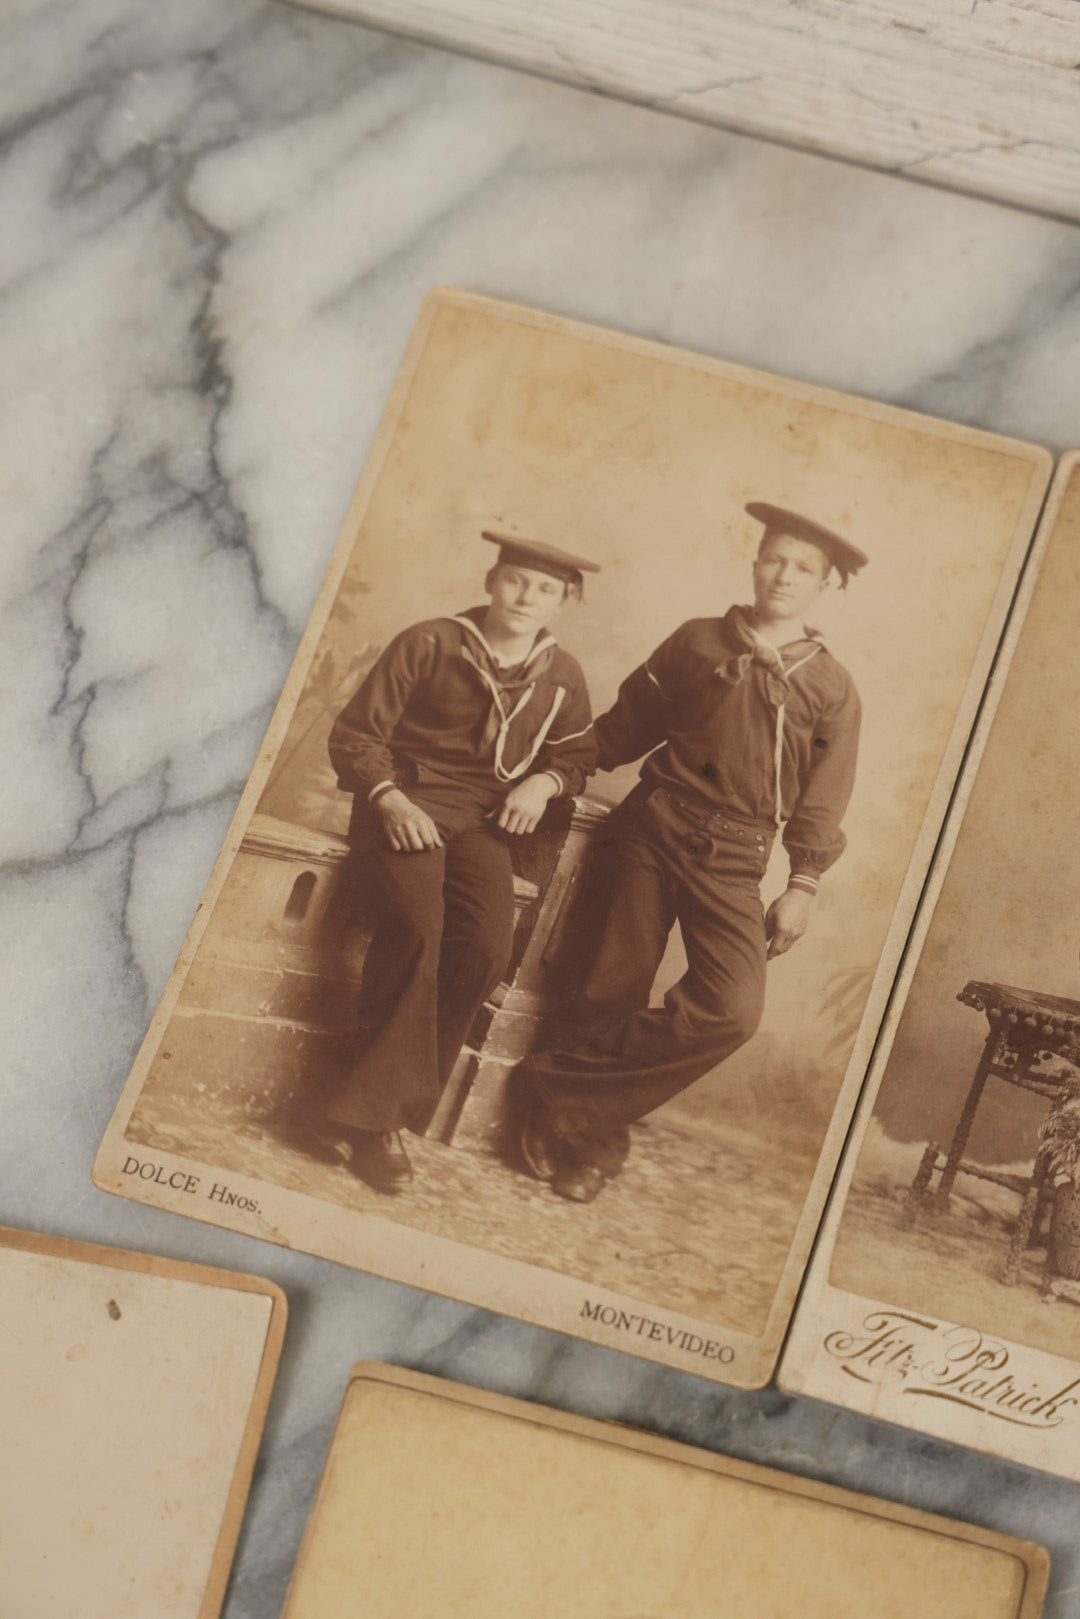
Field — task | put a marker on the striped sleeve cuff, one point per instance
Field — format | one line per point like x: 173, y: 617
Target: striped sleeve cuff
x: 803, y: 880
x: 560, y: 784
x: 378, y: 790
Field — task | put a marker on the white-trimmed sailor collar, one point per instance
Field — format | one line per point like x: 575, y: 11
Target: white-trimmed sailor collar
x: 543, y: 644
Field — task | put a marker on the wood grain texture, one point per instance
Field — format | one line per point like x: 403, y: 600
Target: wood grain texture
x: 980, y: 95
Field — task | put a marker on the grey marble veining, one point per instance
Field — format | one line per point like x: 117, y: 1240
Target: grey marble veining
x: 219, y: 220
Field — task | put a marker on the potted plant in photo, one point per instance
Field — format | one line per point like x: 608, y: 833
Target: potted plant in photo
x: 1060, y: 1140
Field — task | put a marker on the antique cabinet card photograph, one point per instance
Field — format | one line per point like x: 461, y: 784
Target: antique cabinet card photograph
x: 436, y: 1498
x: 945, y: 1294
x: 133, y: 1392
x: 549, y: 943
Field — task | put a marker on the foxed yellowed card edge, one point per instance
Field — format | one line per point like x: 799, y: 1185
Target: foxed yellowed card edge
x: 247, y: 1455
x: 182, y: 1270
x: 373, y: 1243
x: 796, y: 1373
x: 1033, y: 1558
x: 750, y: 376
x: 760, y: 1351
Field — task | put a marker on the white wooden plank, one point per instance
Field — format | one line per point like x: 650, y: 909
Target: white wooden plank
x: 983, y: 95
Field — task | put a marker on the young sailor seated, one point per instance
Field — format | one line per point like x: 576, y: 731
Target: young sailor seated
x: 456, y: 741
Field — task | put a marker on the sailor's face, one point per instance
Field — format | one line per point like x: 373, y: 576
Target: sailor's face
x: 789, y: 576
x: 523, y: 600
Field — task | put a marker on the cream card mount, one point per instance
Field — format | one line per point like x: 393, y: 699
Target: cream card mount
x: 133, y: 1392
x: 305, y: 999
x: 945, y: 1293
x: 437, y: 1498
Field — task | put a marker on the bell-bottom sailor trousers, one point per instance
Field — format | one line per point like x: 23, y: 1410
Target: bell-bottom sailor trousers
x: 444, y: 921
x: 667, y: 861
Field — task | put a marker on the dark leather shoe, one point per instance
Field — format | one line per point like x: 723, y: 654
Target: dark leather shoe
x: 379, y: 1159
x: 540, y: 1149
x: 581, y: 1183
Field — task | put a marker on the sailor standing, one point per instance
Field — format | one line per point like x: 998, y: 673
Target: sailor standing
x: 460, y: 735
x: 749, y: 726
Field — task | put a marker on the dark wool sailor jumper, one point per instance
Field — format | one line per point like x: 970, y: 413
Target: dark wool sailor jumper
x: 437, y: 717
x: 741, y: 740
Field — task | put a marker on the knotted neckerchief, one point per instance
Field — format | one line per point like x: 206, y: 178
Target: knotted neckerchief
x: 510, y: 683
x: 735, y: 668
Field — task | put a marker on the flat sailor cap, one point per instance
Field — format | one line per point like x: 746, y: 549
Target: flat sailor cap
x: 846, y: 558
x: 513, y: 548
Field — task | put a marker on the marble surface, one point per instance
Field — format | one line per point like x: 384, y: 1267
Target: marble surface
x: 219, y: 220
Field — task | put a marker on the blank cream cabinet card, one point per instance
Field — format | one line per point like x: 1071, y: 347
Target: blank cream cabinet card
x: 439, y: 1499
x: 945, y: 1292
x: 320, y: 997
x: 133, y: 1392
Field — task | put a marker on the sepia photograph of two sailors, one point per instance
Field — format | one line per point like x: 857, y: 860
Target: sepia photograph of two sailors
x: 599, y: 790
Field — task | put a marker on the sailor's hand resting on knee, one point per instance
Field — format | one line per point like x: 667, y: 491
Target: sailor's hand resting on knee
x: 786, y: 919
x: 408, y: 828
x: 521, y: 809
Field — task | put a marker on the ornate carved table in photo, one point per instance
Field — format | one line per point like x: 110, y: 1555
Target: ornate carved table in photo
x: 1031, y: 1044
